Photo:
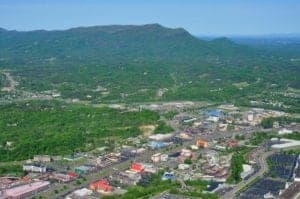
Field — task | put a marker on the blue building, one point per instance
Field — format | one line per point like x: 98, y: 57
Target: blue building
x: 156, y: 145
x: 168, y: 176
x: 215, y: 113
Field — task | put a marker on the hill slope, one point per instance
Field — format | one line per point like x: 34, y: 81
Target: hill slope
x: 142, y: 63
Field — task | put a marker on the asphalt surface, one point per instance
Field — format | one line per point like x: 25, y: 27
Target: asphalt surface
x: 261, y: 158
x: 49, y: 193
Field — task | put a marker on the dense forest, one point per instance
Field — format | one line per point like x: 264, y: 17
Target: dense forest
x: 51, y: 127
x: 134, y: 63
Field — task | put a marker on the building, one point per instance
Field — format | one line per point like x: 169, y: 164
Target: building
x: 297, y: 174
x: 26, y: 190
x: 164, y: 157
x: 72, y: 175
x: 35, y: 168
x: 223, y: 127
x: 232, y: 143
x: 276, y: 124
x: 247, y: 170
x: 215, y: 115
x: 80, y: 193
x: 202, y: 143
x: 42, y: 158
x: 159, y: 157
x: 185, y: 136
x: 168, y: 176
x: 156, y: 157
x: 212, y: 157
x: 128, y: 177
x: 183, y: 166
x: 136, y: 167
x: 160, y: 137
x: 186, y: 153
x: 284, y: 131
x: 101, y: 186
x: 83, y: 170
x: 250, y: 116
x: 61, y: 177
x: 156, y: 145
x: 189, y: 120
x: 149, y: 168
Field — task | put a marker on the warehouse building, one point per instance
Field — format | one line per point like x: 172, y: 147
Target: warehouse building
x: 26, y: 190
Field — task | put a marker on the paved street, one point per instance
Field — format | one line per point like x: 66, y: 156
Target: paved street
x: 261, y: 158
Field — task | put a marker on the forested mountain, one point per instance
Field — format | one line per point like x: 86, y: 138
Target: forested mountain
x: 108, y: 43
x: 144, y: 63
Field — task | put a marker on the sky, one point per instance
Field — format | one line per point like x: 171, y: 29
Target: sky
x: 199, y: 17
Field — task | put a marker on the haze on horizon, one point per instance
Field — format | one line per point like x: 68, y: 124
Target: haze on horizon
x: 206, y: 17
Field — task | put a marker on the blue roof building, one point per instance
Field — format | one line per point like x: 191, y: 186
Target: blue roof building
x: 168, y: 176
x: 156, y: 145
x: 215, y: 113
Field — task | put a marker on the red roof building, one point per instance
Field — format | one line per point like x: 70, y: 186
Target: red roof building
x: 101, y: 185
x: 137, y: 167
x: 72, y: 175
x: 202, y: 143
x: 232, y: 144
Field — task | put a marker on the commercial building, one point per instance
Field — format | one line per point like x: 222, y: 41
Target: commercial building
x: 128, y: 177
x: 136, y: 167
x: 183, y: 166
x: 34, y: 168
x: 61, y: 177
x: 26, y: 190
x: 247, y: 170
x: 158, y: 157
x: 232, y: 143
x: 160, y: 137
x: 284, y: 131
x: 83, y: 169
x: 42, y: 158
x: 149, y: 168
x: 215, y: 115
x: 202, y: 143
x: 80, y: 193
x: 101, y: 186
x: 168, y: 176
x: 156, y: 145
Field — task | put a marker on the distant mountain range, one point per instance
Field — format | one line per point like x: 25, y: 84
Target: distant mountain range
x: 134, y: 62
x: 111, y: 42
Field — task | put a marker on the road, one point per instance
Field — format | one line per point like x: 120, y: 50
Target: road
x: 49, y: 193
x: 142, y: 158
x: 261, y: 158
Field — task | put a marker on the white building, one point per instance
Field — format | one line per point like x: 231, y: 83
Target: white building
x: 250, y: 116
x: 183, y: 166
x: 164, y: 157
x: 284, y: 131
x: 34, y: 168
x: 247, y: 170
x: 213, y: 118
x: 156, y: 157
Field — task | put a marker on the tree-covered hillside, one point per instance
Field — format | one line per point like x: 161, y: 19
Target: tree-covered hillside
x: 51, y: 127
x: 146, y: 63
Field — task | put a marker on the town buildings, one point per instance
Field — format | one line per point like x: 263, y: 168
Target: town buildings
x: 26, y: 190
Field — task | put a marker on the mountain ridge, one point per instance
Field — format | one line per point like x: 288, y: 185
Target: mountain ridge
x: 134, y: 62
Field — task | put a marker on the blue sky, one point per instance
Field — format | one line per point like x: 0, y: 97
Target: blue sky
x: 200, y: 17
